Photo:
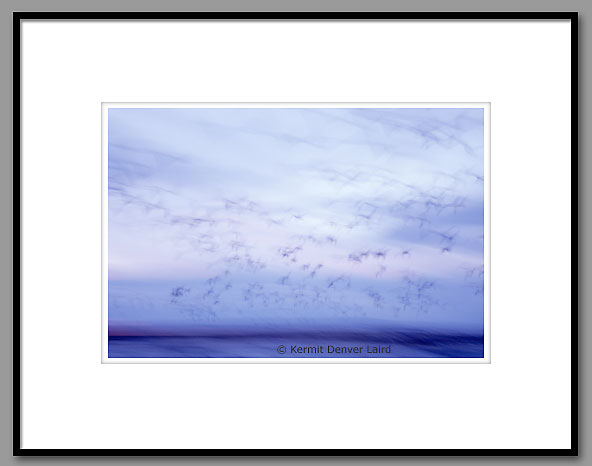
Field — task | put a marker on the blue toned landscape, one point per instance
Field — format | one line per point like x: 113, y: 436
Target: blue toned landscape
x: 400, y: 344
x: 296, y: 233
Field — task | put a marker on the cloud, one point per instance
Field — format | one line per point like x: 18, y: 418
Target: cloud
x: 382, y: 199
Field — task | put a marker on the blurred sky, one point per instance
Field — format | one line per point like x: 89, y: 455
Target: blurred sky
x: 265, y: 214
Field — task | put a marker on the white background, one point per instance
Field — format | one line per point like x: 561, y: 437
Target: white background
x: 520, y: 400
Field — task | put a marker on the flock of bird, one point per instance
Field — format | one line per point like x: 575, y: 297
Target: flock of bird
x: 256, y: 276
x: 257, y: 257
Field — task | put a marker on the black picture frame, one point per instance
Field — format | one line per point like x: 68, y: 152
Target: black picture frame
x: 18, y: 17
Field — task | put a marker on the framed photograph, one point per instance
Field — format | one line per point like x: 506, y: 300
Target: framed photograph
x: 295, y: 234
